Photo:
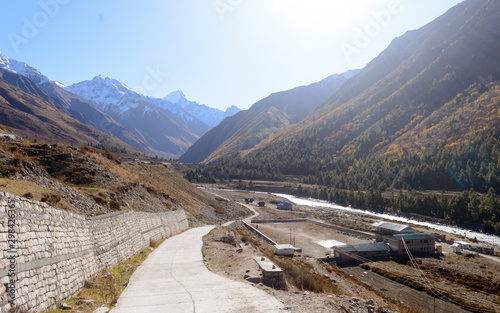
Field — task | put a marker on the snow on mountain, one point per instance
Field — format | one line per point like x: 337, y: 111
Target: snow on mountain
x: 107, y: 93
x: 210, y: 116
x: 24, y: 69
x: 113, y: 96
x: 177, y: 97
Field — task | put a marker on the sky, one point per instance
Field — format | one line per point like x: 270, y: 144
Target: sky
x: 218, y: 52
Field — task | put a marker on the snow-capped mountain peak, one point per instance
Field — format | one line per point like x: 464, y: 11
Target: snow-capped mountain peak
x: 232, y: 110
x: 101, y: 90
x: 176, y: 97
x: 23, y: 69
x: 111, y: 83
x: 210, y: 116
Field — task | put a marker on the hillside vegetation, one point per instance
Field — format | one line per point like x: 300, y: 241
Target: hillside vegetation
x: 423, y: 115
x: 34, y: 114
x: 94, y: 182
x: 265, y: 119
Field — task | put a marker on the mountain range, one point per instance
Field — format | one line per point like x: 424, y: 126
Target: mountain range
x: 266, y: 118
x: 155, y: 126
x: 423, y: 108
x: 420, y: 119
x: 32, y: 113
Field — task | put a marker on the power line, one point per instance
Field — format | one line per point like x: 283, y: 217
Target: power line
x: 436, y: 292
x: 425, y: 281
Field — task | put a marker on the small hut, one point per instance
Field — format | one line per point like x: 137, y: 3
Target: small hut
x: 284, y: 206
x: 285, y: 250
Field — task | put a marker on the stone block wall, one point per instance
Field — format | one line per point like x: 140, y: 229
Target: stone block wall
x: 46, y: 254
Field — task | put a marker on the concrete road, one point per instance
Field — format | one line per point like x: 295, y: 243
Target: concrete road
x: 174, y: 279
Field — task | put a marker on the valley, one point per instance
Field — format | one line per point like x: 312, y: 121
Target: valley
x: 385, y: 176
x: 412, y: 128
x: 442, y: 271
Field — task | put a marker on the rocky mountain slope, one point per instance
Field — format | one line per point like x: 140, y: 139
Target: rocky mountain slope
x: 406, y: 90
x: 69, y: 103
x: 423, y: 115
x: 94, y: 182
x: 168, y: 127
x: 265, y: 118
x: 33, y: 114
x: 155, y: 126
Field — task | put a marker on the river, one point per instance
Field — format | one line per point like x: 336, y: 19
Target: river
x: 481, y: 237
x: 323, y: 205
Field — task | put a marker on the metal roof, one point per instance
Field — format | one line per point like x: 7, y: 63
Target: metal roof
x: 364, y: 247
x: 393, y: 227
x: 414, y: 236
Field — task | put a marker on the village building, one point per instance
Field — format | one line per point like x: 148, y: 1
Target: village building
x: 376, y: 251
x: 284, y: 206
x: 420, y: 243
x: 464, y: 245
x: 381, y: 229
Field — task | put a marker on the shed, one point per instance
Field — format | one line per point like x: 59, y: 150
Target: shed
x: 284, y: 206
x: 457, y: 248
x: 465, y: 245
x: 439, y: 249
x: 285, y: 250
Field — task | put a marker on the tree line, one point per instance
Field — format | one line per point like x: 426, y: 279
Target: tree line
x: 471, y: 166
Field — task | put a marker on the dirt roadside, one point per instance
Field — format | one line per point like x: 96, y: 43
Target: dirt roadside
x: 236, y: 262
x: 372, y: 286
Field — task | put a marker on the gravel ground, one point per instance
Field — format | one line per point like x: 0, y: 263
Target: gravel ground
x: 307, y: 235
x: 237, y: 261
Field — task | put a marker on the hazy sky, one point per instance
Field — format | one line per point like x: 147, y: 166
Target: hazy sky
x: 218, y: 52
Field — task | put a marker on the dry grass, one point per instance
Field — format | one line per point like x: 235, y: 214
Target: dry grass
x: 303, y: 276
x: 159, y: 178
x: 117, y: 169
x: 21, y: 188
x: 167, y: 180
x: 435, y: 292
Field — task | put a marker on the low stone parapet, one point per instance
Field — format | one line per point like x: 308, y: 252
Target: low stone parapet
x: 272, y: 275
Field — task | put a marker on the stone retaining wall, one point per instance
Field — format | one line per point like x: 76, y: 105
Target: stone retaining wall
x: 52, y: 252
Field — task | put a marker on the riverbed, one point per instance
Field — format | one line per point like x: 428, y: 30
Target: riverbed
x: 323, y: 205
x: 490, y: 239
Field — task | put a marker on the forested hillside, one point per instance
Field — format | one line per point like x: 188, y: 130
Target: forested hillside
x: 422, y: 115
x: 267, y: 117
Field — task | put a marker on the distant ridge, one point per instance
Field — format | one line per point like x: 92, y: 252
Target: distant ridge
x: 168, y: 126
x: 263, y: 120
x: 32, y: 113
x: 423, y: 114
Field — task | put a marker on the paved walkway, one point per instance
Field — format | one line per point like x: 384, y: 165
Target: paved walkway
x: 174, y: 279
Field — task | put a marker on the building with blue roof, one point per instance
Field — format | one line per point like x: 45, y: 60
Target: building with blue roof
x: 284, y: 206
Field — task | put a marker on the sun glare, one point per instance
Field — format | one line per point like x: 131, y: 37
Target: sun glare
x: 320, y: 11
